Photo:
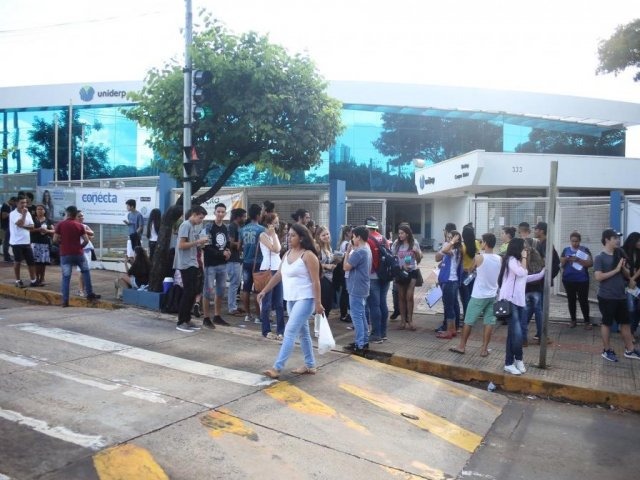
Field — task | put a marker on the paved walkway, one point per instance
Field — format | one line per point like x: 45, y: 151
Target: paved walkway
x: 575, y: 370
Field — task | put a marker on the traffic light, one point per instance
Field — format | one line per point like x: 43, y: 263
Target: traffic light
x: 192, y: 164
x: 201, y: 95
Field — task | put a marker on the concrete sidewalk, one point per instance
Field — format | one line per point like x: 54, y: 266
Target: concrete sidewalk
x: 575, y: 370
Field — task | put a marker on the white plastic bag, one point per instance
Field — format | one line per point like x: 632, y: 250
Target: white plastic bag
x: 325, y: 338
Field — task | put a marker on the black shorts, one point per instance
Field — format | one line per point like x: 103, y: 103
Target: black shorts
x: 613, y: 310
x: 24, y: 252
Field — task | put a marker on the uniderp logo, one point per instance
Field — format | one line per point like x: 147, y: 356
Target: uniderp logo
x: 86, y: 93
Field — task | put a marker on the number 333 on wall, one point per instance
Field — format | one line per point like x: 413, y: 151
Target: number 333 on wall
x: 515, y: 169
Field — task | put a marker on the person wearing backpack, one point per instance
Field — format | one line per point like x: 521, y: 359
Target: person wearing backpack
x: 378, y: 287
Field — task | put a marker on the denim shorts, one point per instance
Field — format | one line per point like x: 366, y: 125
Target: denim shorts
x: 215, y: 279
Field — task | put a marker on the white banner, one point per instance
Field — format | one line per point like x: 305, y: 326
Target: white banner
x: 107, y: 205
x: 231, y: 201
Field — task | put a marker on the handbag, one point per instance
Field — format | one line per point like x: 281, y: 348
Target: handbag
x: 261, y: 277
x: 502, y: 308
x: 326, y: 341
x: 419, y: 279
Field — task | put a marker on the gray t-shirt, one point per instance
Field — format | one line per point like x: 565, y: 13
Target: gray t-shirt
x: 358, y: 281
x: 187, y: 257
x: 612, y: 288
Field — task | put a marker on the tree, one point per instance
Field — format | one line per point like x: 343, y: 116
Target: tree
x: 269, y: 109
x: 406, y: 137
x: 621, y: 50
x: 42, y: 147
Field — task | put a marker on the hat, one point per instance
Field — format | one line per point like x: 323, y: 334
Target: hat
x: 371, y: 222
x: 608, y: 233
x: 541, y: 226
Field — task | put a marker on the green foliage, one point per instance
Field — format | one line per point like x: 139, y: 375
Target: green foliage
x: 269, y: 108
x: 406, y: 137
x: 42, y: 148
x: 621, y: 50
x: 610, y: 143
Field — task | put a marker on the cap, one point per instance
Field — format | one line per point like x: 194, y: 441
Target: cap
x: 541, y: 226
x: 608, y: 233
x: 371, y: 222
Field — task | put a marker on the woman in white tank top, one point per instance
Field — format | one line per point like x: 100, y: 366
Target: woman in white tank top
x: 300, y: 276
x: 270, y: 248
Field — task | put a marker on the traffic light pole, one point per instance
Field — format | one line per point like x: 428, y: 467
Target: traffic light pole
x: 188, y: 37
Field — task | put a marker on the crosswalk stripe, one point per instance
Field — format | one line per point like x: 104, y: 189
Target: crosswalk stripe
x: 441, y: 384
x: 94, y: 442
x: 127, y: 461
x: 148, y: 356
x: 423, y: 419
x: 301, y: 401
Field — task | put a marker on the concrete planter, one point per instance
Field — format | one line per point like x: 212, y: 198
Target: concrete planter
x: 142, y: 298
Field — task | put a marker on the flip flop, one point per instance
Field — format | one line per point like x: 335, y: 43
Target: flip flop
x: 456, y: 350
x: 484, y: 354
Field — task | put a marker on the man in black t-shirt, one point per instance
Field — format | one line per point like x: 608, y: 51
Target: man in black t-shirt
x: 216, y: 254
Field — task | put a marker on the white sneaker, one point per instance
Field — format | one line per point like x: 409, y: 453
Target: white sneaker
x: 257, y: 320
x: 248, y: 318
x: 512, y: 370
x: 520, y: 366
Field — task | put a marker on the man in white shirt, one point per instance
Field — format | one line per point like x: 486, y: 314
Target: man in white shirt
x: 487, y: 266
x: 20, y: 226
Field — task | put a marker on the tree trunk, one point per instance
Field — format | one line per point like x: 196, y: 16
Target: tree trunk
x: 162, y: 260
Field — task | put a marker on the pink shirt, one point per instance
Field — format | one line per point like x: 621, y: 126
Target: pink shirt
x: 515, y: 281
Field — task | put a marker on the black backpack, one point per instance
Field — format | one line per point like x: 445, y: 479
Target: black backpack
x: 171, y: 301
x: 388, y: 265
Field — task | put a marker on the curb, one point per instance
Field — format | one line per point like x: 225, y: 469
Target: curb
x: 47, y: 297
x: 517, y: 384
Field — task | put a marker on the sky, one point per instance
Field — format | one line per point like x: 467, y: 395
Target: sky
x: 543, y: 46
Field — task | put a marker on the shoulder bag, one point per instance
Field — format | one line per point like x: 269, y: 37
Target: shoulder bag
x: 502, y: 308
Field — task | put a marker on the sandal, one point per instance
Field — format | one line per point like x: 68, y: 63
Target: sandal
x: 445, y: 335
x: 271, y: 373
x: 402, y: 326
x: 588, y: 326
x: 411, y: 327
x: 456, y: 350
x: 305, y: 370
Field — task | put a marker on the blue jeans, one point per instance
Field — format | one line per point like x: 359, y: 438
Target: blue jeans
x: 378, y: 310
x: 67, y: 262
x: 533, y: 307
x: 514, y: 335
x: 272, y: 300
x: 359, y: 320
x: 234, y: 275
x: 633, y: 307
x: 298, y: 325
x: 450, y: 302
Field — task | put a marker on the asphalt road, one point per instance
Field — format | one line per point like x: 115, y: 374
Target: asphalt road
x: 86, y: 393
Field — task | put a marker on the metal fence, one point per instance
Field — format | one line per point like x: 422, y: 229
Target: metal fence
x: 588, y: 215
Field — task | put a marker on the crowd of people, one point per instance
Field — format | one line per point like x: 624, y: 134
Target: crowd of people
x: 471, y: 274
x: 304, y: 275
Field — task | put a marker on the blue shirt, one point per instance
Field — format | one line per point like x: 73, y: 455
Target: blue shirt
x: 249, y: 235
x: 135, y: 221
x: 358, y: 280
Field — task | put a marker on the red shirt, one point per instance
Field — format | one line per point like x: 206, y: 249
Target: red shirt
x: 71, y: 233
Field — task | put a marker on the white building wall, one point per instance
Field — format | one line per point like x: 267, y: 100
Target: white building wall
x: 447, y: 210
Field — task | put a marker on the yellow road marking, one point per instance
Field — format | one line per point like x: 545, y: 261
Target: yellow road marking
x: 440, y: 427
x: 425, y: 379
x: 301, y: 401
x: 430, y: 473
x: 221, y: 422
x: 127, y: 461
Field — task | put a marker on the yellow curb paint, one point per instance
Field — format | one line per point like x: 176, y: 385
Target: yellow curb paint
x: 427, y: 421
x: 127, y: 461
x: 427, y: 472
x: 221, y: 422
x: 301, y: 401
x: 426, y: 379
